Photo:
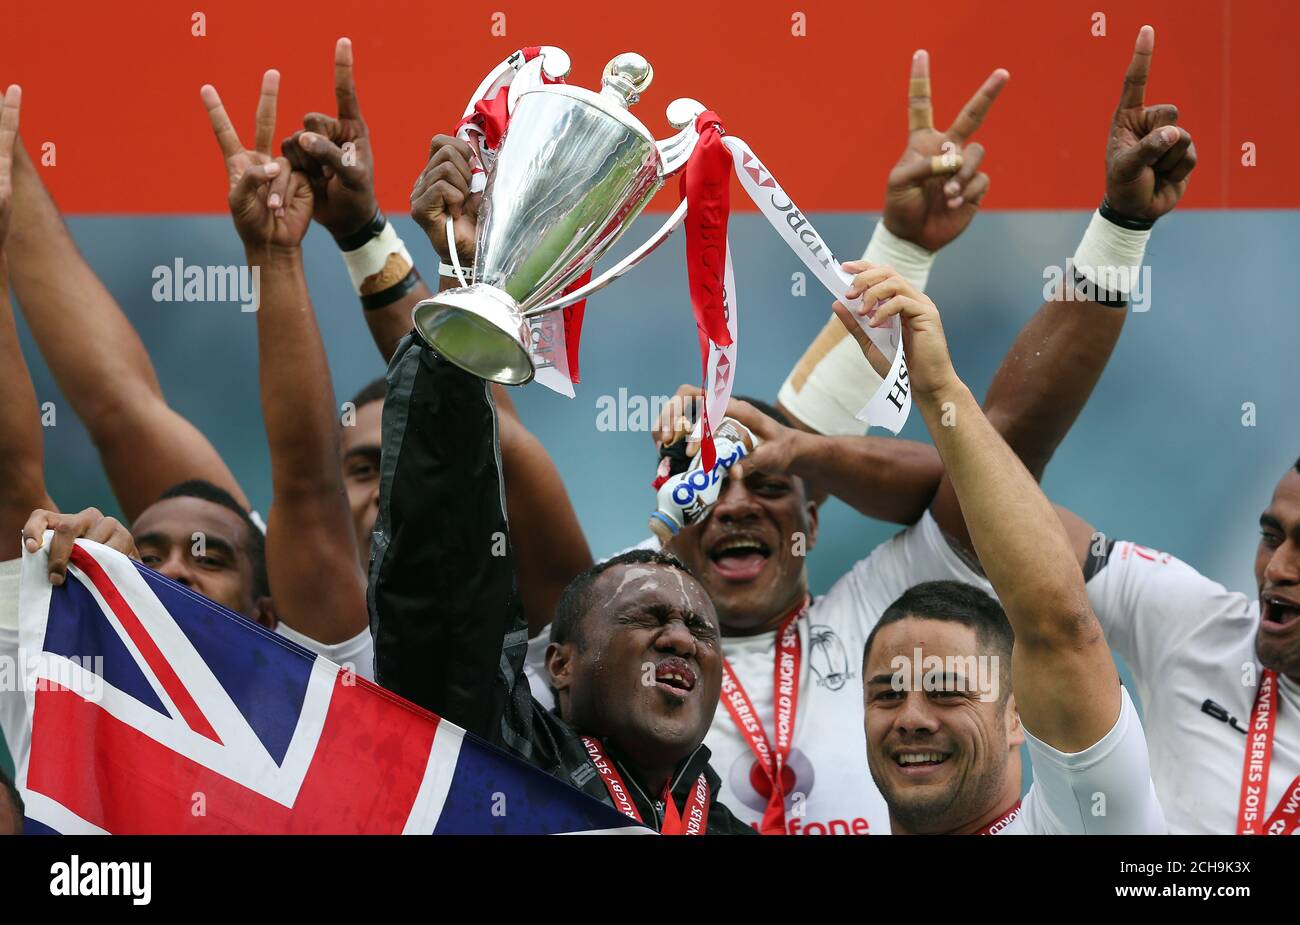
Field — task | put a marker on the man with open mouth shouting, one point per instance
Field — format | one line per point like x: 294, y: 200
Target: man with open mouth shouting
x: 635, y: 656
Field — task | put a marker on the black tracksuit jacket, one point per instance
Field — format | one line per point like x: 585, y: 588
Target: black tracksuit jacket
x: 447, y: 618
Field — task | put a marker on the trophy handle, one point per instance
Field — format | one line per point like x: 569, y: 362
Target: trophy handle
x: 554, y: 61
x: 618, y: 269
x: 451, y: 250
x: 674, y: 152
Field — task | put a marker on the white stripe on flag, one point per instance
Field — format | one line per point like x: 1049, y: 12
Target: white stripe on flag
x: 57, y: 816
x: 438, y: 773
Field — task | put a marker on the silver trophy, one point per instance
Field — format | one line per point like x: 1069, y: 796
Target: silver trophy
x: 572, y: 171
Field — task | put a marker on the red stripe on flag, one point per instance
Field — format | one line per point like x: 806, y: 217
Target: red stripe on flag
x: 363, y: 777
x: 149, y: 650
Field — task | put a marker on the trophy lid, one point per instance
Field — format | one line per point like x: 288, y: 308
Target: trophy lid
x: 626, y: 77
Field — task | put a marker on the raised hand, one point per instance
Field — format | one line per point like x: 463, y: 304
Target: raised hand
x: 935, y: 189
x: 258, y: 224
x: 335, y: 156
x: 1148, y: 156
x: 885, y: 294
x: 239, y: 158
x: 8, y: 138
x: 442, y: 189
x: 270, y: 203
x: 678, y: 414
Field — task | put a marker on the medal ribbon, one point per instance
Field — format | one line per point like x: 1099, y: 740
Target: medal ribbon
x: 785, y: 699
x: 695, y: 819
x: 1285, y: 818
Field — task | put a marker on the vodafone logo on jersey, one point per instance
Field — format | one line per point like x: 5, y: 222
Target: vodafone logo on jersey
x: 750, y: 785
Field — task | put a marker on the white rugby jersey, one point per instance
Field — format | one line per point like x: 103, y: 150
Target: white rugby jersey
x: 1188, y: 640
x: 1105, y: 789
x: 357, y: 653
x: 13, y: 707
x: 828, y: 760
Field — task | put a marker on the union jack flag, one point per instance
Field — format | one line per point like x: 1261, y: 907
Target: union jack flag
x: 154, y: 710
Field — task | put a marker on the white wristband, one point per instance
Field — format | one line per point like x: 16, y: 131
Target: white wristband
x: 374, y: 256
x: 833, y: 380
x: 830, y: 384
x: 1110, y: 257
x: 912, y: 261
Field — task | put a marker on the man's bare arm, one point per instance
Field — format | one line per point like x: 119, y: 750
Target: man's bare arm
x: 311, y: 557
x: 549, y: 547
x: 98, y: 359
x: 931, y: 196
x: 1066, y: 685
x: 1051, y: 369
x: 22, y: 479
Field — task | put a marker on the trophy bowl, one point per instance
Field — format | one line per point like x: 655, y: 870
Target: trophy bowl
x: 572, y: 171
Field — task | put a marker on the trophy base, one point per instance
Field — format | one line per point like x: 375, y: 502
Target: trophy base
x: 480, y: 329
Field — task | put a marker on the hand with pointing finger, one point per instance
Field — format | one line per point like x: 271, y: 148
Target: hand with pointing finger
x: 935, y: 189
x: 334, y: 154
x: 8, y: 139
x: 1148, y: 156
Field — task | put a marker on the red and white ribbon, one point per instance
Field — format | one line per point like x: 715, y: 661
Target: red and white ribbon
x: 1285, y: 818
x: 692, y: 820
x: 889, y: 406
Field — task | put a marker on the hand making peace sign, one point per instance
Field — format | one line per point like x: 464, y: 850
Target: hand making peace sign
x: 935, y: 190
x: 270, y: 203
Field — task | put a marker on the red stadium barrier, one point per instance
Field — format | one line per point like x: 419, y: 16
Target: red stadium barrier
x: 116, y: 88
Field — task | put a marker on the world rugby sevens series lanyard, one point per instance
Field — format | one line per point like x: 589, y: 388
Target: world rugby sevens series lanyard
x: 785, y: 697
x: 695, y: 819
x: 1002, y: 821
x: 1254, y: 773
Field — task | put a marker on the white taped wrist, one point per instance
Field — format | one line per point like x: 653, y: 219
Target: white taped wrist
x: 830, y: 384
x: 1110, y: 257
x: 912, y: 261
x: 381, y: 262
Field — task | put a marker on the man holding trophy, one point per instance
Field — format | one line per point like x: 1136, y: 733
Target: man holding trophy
x: 629, y: 733
x: 483, y: 330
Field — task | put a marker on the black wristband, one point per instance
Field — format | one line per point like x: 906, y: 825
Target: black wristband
x: 390, y: 295
x: 1124, y: 221
x: 1096, y: 294
x: 364, y: 234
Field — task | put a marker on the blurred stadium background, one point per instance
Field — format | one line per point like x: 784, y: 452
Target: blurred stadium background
x: 1160, y: 455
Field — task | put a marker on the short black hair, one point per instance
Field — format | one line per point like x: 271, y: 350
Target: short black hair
x: 371, y: 391
x: 9, y: 791
x: 254, y: 545
x: 576, y: 599
x: 771, y: 411
x: 953, y: 602
x: 1297, y: 464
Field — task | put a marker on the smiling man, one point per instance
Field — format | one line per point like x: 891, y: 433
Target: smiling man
x: 1217, y: 671
x: 635, y: 658
x: 943, y: 740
